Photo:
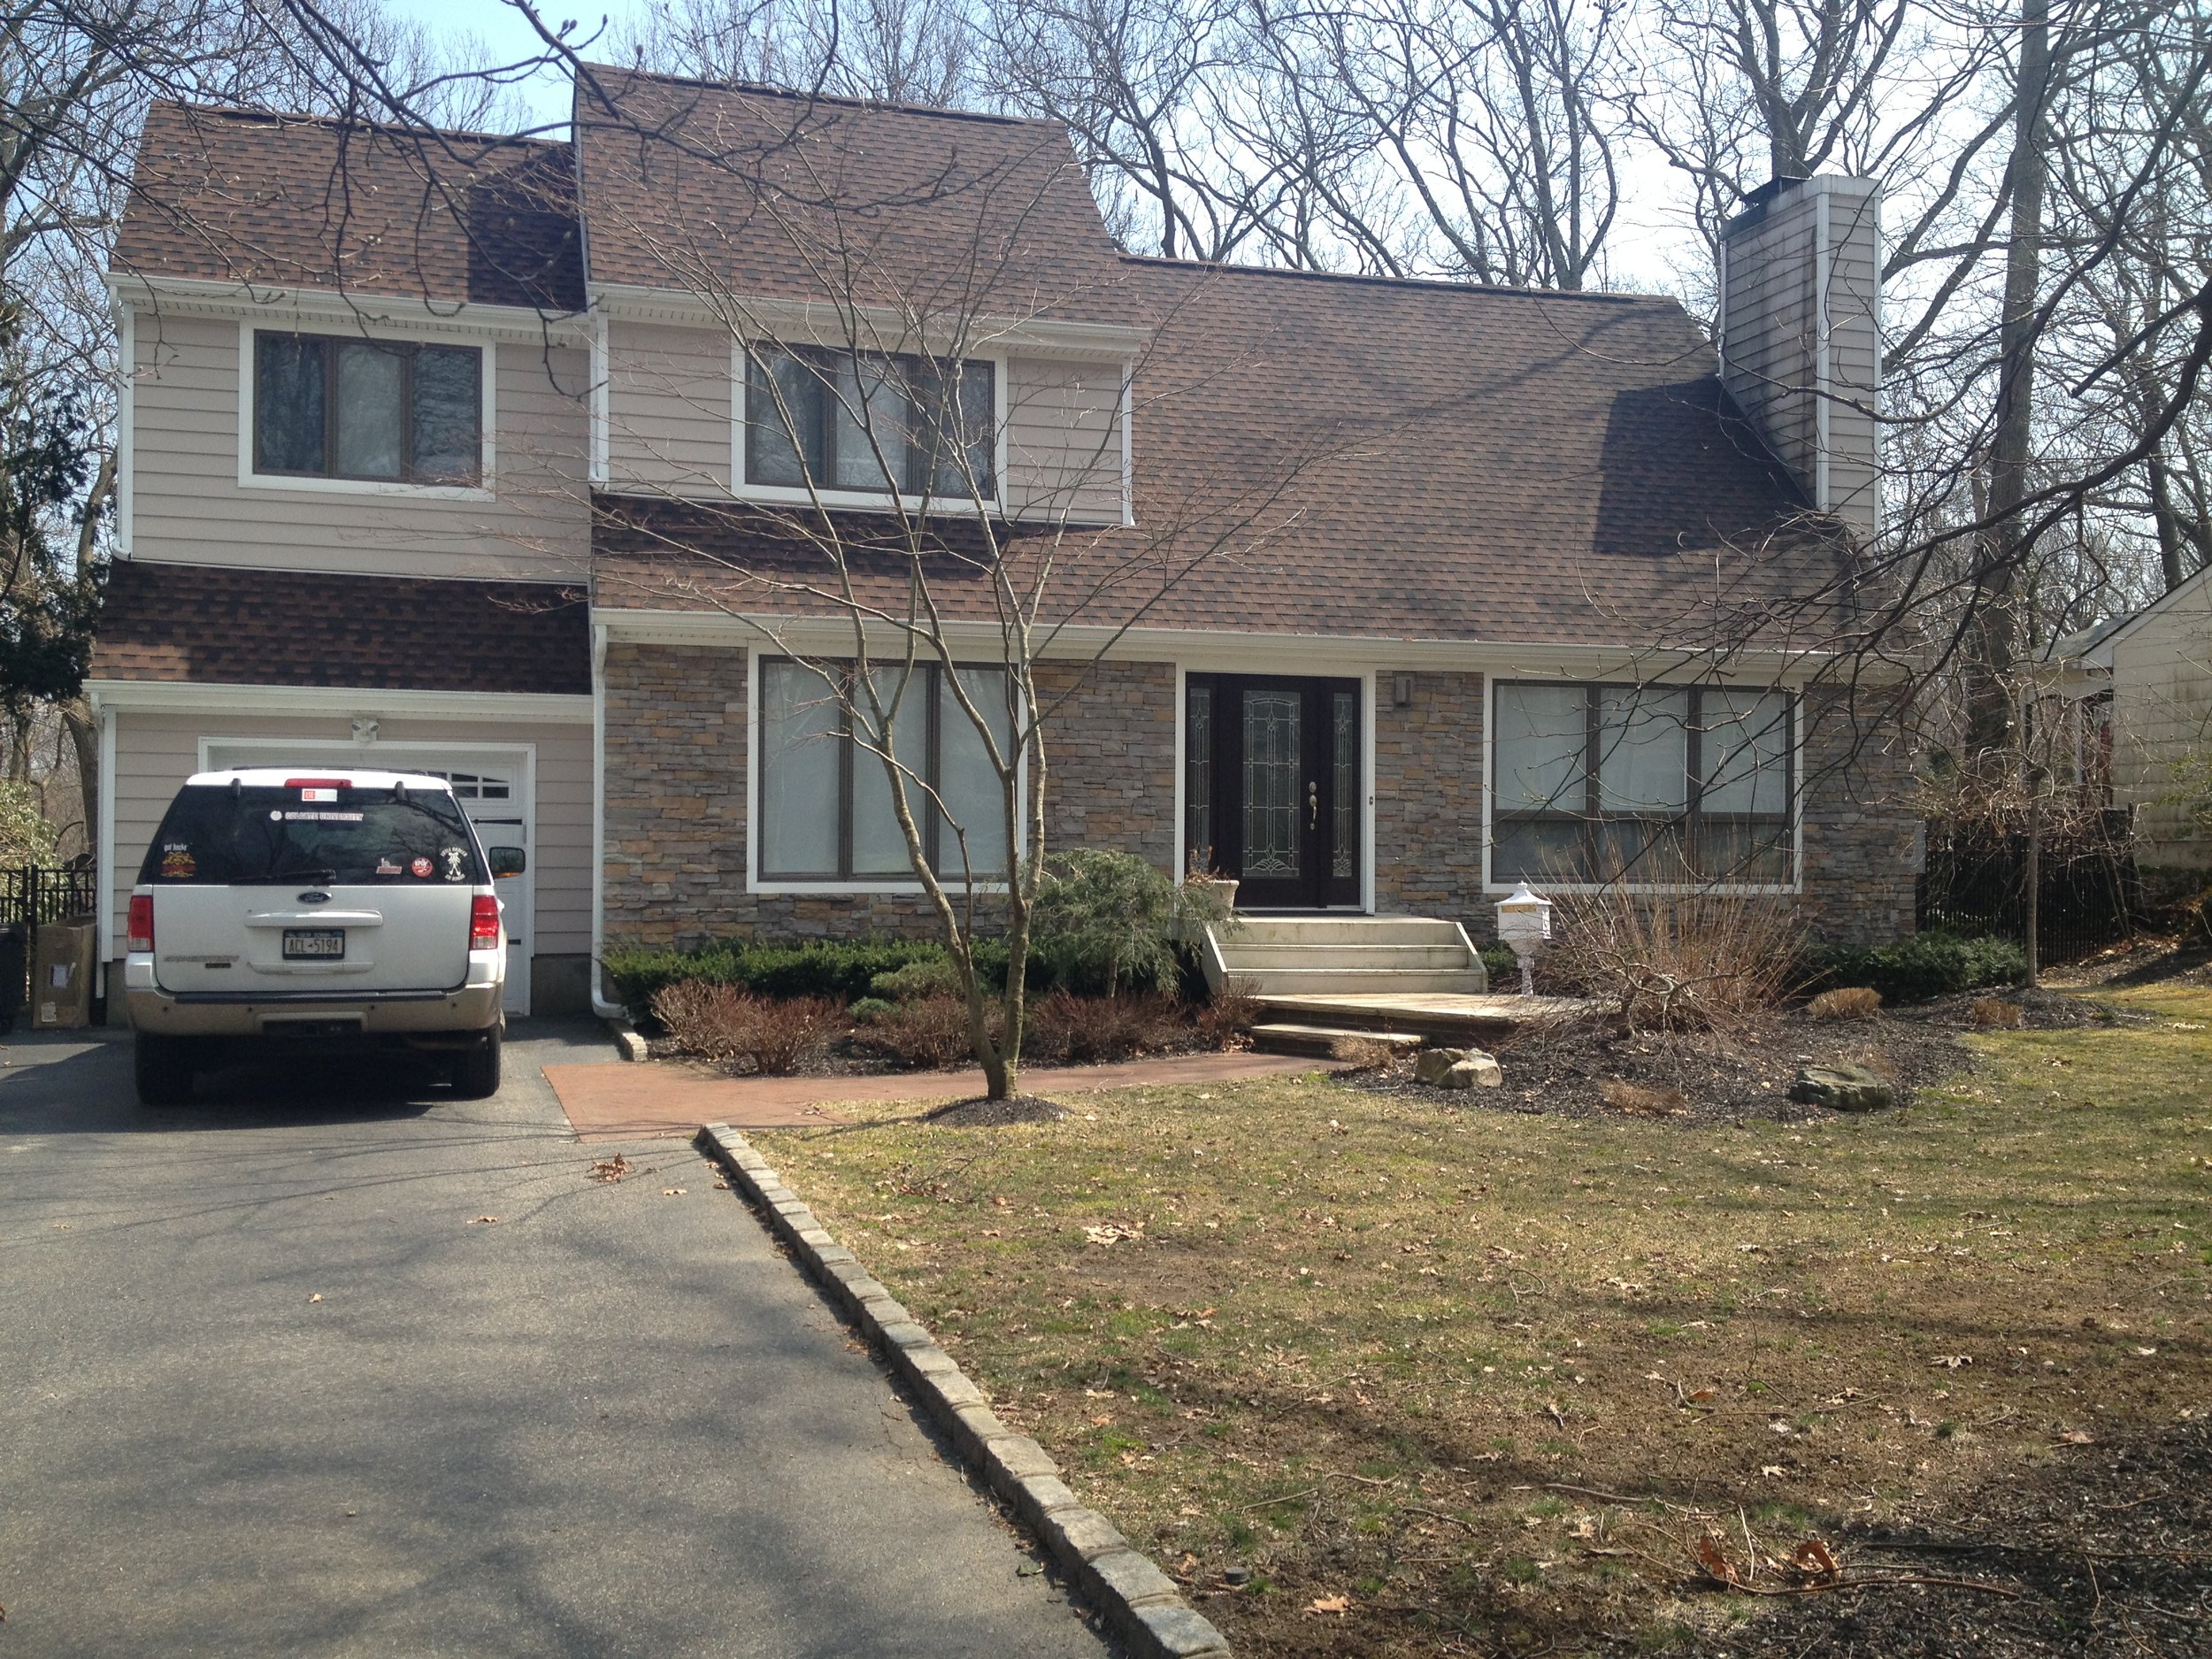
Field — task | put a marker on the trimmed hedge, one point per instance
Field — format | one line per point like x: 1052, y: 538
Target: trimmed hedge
x: 1917, y: 969
x: 843, y: 969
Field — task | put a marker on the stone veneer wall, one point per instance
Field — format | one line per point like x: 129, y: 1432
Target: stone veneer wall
x: 1428, y: 801
x: 676, y: 738
x: 676, y: 748
x: 1861, y: 834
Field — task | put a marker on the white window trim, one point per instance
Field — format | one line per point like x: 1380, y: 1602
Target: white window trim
x: 865, y: 500
x: 1366, y: 674
x: 247, y: 387
x: 755, y: 882
x: 1794, y: 885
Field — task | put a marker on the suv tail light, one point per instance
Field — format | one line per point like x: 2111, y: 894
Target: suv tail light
x: 142, y: 921
x: 483, y: 923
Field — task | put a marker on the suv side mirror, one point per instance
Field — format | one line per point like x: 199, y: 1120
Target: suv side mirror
x: 506, y: 860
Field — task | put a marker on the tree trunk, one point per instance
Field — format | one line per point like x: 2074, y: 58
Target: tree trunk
x: 2168, y: 520
x: 2003, y: 547
x: 84, y: 737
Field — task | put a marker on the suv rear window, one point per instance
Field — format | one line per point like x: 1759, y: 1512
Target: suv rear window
x: 217, y: 835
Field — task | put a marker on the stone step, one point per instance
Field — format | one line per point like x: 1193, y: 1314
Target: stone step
x: 1321, y: 1041
x: 1261, y: 929
x: 1334, y: 982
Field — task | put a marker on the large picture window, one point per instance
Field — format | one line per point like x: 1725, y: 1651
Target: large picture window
x: 389, y: 411
x: 865, y: 422
x: 1657, y: 784
x: 826, y: 804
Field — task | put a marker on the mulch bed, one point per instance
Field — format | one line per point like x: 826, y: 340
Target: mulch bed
x: 984, y: 1113
x: 1741, y: 1073
x: 2107, y: 1549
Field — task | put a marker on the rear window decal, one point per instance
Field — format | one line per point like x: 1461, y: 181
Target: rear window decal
x: 385, y: 867
x: 421, y: 868
x: 321, y: 818
x: 178, y: 864
x: 457, y: 864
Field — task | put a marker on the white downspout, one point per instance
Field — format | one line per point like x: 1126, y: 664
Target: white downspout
x: 103, y: 851
x: 600, y: 1005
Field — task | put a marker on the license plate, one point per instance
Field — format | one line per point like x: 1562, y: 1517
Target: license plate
x: 314, y: 944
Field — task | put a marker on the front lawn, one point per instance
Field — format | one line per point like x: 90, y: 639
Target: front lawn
x: 1372, y: 1374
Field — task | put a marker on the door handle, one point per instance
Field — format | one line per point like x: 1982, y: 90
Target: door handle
x: 1313, y: 805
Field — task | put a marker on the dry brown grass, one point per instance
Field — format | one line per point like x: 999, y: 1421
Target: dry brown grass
x: 1995, y: 1013
x: 1227, y: 1020
x: 1363, y: 1054
x: 1855, y: 1002
x: 1635, y: 1098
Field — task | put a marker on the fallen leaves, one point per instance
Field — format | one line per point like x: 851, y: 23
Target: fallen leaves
x: 478, y: 1221
x: 611, y: 1169
x: 1952, y: 1362
x: 672, y: 1192
x: 1338, y: 1605
x: 1114, y: 1232
x: 2075, y: 1437
x: 318, y: 1296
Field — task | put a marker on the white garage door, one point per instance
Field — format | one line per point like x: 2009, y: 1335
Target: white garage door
x: 493, y: 787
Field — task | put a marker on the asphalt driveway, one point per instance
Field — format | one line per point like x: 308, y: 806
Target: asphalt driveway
x: 269, y: 1386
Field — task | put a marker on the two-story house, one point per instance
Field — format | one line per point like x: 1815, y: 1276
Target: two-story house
x: 516, y: 460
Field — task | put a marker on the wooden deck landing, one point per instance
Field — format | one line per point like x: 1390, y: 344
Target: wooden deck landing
x: 1442, y: 1014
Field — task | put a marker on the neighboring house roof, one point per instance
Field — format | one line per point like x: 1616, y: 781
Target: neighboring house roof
x: 2094, y: 644
x: 1376, y: 458
x: 752, y: 193
x: 263, y: 628
x: 299, y: 200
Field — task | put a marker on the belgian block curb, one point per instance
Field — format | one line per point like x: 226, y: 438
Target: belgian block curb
x: 1137, y: 1597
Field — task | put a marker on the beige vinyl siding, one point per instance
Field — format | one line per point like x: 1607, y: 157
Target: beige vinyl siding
x: 1770, y: 329
x: 668, y: 410
x: 1063, y: 440
x: 2162, y: 713
x: 188, y: 503
x: 156, y: 753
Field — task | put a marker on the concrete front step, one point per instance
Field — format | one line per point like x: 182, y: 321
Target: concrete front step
x: 1480, y: 1020
x: 1240, y: 956
x: 1321, y: 1041
x: 1261, y: 929
x: 1358, y: 981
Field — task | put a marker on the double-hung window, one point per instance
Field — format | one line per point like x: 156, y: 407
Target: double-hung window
x: 826, y: 809
x: 870, y: 423
x: 382, y: 411
x: 1657, y: 784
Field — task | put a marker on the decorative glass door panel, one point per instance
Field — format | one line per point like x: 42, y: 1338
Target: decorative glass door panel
x: 1271, y: 787
x: 1274, y: 724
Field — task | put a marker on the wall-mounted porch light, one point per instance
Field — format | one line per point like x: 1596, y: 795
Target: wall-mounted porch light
x: 1402, y: 691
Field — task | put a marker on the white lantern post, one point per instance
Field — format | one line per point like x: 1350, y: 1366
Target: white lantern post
x: 1524, y: 923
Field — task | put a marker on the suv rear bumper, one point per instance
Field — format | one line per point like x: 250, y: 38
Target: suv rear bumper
x: 472, y: 1007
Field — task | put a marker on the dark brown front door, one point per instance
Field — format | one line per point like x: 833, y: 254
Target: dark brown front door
x: 1271, y: 787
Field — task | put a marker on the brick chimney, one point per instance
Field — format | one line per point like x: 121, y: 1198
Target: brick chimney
x: 1801, y: 344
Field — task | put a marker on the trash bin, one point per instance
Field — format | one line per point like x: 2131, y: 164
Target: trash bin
x: 61, y: 978
x: 15, y: 946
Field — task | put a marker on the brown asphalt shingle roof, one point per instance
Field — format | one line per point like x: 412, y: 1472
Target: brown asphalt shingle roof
x: 757, y: 194
x: 263, y: 628
x: 1388, y: 459
x: 285, y: 200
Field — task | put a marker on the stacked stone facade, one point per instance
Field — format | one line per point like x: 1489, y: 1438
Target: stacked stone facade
x: 678, y: 745
x: 677, y: 742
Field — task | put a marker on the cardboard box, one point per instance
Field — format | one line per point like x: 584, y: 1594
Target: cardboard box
x: 61, y: 976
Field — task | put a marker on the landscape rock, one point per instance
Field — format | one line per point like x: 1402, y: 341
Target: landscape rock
x: 1843, y: 1087
x: 1457, y: 1068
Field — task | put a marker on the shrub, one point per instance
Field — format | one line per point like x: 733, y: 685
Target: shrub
x: 1106, y: 920
x: 1362, y: 1054
x: 1856, y: 1002
x: 1915, y: 969
x: 1063, y: 1028
x: 725, y: 1024
x: 1227, y: 1020
x: 930, y: 1031
x: 1693, y: 961
x: 1639, y: 1101
x: 868, y: 1010
x: 930, y: 976
x: 841, y: 969
x: 1995, y: 1011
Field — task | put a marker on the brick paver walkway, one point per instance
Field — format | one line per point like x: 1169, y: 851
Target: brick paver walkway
x: 657, y: 1097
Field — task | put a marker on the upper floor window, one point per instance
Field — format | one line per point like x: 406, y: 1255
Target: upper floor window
x: 869, y: 422
x: 1643, y: 784
x: 389, y: 410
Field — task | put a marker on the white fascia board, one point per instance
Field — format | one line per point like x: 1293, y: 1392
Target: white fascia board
x: 2199, y: 585
x: 184, y: 696
x: 198, y: 297
x: 1203, y: 650
x: 826, y: 323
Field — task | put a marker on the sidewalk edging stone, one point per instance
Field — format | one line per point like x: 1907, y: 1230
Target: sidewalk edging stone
x: 1140, y: 1601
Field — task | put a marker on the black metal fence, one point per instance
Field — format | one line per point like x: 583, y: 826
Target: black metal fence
x: 1975, y: 881
x: 31, y: 897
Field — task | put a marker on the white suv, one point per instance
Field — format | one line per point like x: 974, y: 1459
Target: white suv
x: 288, y: 905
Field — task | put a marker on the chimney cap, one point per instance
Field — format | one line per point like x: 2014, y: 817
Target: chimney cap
x: 1759, y: 195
